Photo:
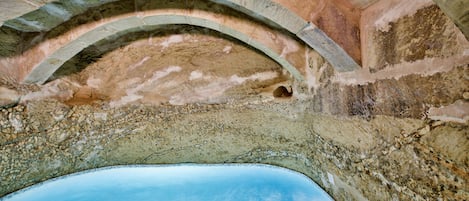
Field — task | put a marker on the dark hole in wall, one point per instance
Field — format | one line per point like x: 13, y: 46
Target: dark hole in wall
x: 282, y: 92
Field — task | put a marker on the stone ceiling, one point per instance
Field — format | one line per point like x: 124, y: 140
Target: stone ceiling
x: 332, y: 28
x: 43, y: 39
x: 368, y: 98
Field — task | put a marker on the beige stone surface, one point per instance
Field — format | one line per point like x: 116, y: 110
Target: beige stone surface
x: 201, y: 67
x: 381, y: 154
x: 396, y: 129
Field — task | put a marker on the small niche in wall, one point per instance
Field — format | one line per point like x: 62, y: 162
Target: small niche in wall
x: 283, y: 92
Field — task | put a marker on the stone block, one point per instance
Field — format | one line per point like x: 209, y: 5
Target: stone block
x: 164, y: 19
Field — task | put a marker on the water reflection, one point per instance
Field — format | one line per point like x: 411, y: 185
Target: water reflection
x: 177, y: 183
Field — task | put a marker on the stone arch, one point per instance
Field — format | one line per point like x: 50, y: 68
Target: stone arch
x: 267, y: 11
x: 42, y: 71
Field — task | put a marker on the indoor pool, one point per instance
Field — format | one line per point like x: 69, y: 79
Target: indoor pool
x: 176, y: 182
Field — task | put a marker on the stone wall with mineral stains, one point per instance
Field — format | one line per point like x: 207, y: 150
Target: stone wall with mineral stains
x: 352, y: 158
x: 397, y: 129
x: 415, y: 60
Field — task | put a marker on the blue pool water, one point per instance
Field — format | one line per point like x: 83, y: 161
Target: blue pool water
x: 177, y: 183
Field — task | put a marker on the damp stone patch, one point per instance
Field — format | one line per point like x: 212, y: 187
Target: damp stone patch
x: 177, y: 182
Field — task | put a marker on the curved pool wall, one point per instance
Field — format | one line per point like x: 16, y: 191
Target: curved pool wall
x: 177, y: 182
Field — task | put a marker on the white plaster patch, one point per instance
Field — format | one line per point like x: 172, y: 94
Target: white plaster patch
x: 171, y: 40
x: 17, y: 124
x: 425, y: 67
x: 94, y: 82
x: 132, y: 92
x: 330, y: 177
x: 160, y: 74
x: 238, y: 80
x: 398, y: 10
x: 203, y: 93
x: 258, y: 76
x: 45, y: 47
x: 227, y: 49
x: 466, y: 52
x: 324, y: 181
x: 216, y: 88
x: 140, y: 63
x: 196, y: 75
x: 312, y: 78
x: 50, y: 89
x: 288, y: 45
x: 263, y: 76
x: 169, y: 84
x: 125, y: 100
x: 126, y: 84
x: 456, y: 112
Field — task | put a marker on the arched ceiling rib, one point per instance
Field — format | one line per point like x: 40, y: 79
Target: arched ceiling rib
x: 54, y: 13
x: 267, y: 10
x: 45, y: 69
x: 35, y: 15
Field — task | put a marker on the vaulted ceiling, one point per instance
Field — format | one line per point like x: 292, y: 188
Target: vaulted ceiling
x: 55, y: 31
x: 27, y: 25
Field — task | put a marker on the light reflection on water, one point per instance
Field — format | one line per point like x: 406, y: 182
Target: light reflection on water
x: 188, y: 182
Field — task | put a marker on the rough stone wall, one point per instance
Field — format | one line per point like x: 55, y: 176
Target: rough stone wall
x: 353, y: 159
x: 415, y: 63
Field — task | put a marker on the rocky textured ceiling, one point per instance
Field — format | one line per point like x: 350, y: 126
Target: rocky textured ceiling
x: 369, y: 98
